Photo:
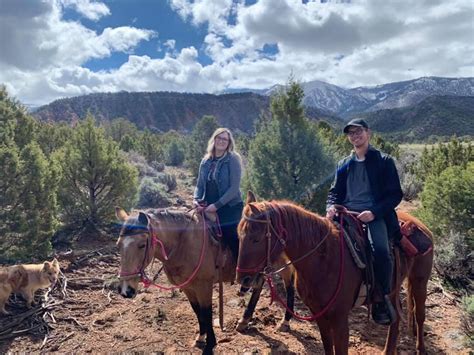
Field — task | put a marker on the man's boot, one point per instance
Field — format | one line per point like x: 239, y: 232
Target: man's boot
x: 383, y: 312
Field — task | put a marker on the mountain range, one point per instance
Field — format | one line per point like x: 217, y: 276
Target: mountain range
x: 345, y: 103
x: 399, y: 109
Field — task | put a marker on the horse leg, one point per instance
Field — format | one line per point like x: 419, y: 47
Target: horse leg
x: 340, y: 333
x: 204, y: 296
x: 393, y: 331
x: 289, y: 280
x: 200, y: 340
x: 419, y: 295
x: 244, y: 321
x: 326, y: 336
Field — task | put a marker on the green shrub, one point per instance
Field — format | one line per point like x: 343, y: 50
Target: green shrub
x: 174, y: 153
x: 467, y: 319
x: 454, y: 261
x: 168, y: 180
x: 96, y: 177
x: 448, y: 201
x: 152, y: 194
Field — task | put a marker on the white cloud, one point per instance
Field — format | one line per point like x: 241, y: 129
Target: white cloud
x: 363, y: 42
x: 93, y: 10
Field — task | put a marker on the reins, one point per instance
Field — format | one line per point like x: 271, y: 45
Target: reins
x: 150, y: 253
x: 268, y: 273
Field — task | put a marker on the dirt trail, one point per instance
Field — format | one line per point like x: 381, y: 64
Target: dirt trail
x: 94, y: 318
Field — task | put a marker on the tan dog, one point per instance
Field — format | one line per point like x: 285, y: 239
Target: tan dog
x: 26, y: 280
x: 11, y: 278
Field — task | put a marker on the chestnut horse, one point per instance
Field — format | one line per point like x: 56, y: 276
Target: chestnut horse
x: 326, y: 283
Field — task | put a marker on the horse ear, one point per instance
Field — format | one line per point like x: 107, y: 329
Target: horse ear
x: 254, y: 209
x: 121, y: 214
x: 250, y: 197
x: 143, y: 219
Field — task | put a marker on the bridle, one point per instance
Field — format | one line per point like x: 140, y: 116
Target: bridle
x: 151, y: 242
x: 268, y: 272
x: 269, y: 228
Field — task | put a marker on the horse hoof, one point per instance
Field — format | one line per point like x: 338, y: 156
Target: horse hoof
x: 200, y: 344
x: 242, y: 325
x: 284, y: 327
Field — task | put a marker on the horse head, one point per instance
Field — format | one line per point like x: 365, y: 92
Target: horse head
x: 259, y: 241
x: 136, y: 250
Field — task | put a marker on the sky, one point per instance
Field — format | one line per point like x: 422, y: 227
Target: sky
x: 51, y: 49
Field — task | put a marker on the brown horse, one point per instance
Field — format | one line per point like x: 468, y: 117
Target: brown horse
x: 324, y: 280
x: 288, y: 277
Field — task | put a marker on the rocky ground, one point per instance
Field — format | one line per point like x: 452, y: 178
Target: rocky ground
x: 87, y: 315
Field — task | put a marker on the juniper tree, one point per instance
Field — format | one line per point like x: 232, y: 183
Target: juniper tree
x: 286, y: 157
x: 95, y: 178
x: 198, y: 139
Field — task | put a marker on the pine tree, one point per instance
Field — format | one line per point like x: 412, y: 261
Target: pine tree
x: 95, y: 178
x: 286, y: 157
x: 200, y: 135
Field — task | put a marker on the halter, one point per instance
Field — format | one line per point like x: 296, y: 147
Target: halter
x: 269, y: 228
x: 267, y: 270
x: 150, y: 255
x: 151, y: 242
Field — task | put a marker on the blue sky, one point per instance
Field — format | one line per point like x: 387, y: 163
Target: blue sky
x: 59, y: 48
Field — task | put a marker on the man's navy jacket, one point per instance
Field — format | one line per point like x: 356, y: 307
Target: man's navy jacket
x: 384, y: 183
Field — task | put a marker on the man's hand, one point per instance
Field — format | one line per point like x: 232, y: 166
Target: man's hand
x: 366, y: 216
x: 211, y: 208
x: 199, y: 207
x: 331, y: 212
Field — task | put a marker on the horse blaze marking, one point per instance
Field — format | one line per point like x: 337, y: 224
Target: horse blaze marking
x: 127, y: 242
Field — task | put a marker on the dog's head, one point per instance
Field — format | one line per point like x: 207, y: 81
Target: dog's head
x: 50, y: 271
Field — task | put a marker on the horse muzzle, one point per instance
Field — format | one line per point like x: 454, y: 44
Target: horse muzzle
x: 248, y: 281
x: 127, y: 291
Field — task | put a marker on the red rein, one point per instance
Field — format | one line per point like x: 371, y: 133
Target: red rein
x: 314, y: 316
x: 154, y: 242
x: 273, y: 292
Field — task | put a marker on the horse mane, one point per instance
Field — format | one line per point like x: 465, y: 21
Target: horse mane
x: 177, y: 216
x: 298, y: 221
x: 405, y: 217
x: 173, y: 214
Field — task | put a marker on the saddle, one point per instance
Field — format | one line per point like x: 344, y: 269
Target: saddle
x: 416, y: 239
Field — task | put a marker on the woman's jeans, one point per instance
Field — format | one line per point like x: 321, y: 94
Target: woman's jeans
x: 229, y: 218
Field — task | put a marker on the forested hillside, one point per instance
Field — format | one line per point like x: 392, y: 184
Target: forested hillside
x: 161, y: 111
x: 441, y: 116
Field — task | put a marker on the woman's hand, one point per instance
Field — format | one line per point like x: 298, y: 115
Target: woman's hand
x: 211, y: 208
x: 331, y: 212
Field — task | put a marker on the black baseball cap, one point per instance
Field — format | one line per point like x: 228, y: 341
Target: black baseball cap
x: 357, y: 122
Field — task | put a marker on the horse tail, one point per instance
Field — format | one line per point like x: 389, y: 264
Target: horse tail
x: 410, y: 307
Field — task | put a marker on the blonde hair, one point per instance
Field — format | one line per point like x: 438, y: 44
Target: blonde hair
x: 211, y: 151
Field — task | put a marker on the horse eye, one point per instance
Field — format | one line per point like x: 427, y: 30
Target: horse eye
x: 141, y: 246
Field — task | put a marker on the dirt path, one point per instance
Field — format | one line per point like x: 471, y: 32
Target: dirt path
x: 94, y: 318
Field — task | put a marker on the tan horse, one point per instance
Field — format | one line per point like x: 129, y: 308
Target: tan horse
x: 295, y: 231
x: 189, y: 256
x: 181, y: 237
